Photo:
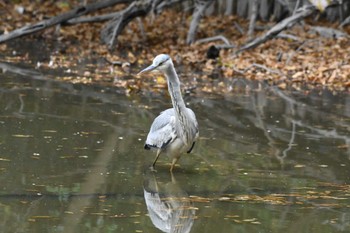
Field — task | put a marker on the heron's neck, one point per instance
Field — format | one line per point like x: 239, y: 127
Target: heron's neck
x: 176, y: 97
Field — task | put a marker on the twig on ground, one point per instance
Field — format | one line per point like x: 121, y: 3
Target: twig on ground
x: 239, y: 28
x: 345, y: 22
x: 304, y: 43
x: 288, y: 36
x: 269, y: 70
x: 329, y: 32
x: 272, y: 71
x: 219, y: 37
x: 92, y: 19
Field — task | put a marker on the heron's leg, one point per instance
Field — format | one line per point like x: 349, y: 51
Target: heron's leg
x: 157, y: 156
x: 173, y: 163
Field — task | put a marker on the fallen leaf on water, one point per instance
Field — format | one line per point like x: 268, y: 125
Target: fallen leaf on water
x: 22, y: 136
x: 6, y: 160
x: 42, y: 217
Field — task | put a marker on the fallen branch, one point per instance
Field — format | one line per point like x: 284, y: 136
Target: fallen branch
x: 198, y: 12
x: 288, y: 22
x: 239, y: 28
x: 81, y: 10
x: 262, y: 67
x: 111, y: 31
x: 329, y: 32
x: 345, y: 22
x: 288, y: 37
x: 209, y: 39
x: 6, y: 67
x: 92, y: 19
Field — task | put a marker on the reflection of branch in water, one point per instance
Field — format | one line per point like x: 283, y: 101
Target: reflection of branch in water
x: 34, y: 205
x: 291, y: 142
x: 47, y: 83
x: 326, y: 134
x: 21, y: 71
x: 169, y: 207
x: 259, y: 123
x: 92, y: 183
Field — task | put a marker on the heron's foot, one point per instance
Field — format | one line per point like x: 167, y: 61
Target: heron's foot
x: 152, y: 169
x: 173, y: 163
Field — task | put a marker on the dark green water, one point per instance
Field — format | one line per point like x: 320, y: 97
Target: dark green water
x: 72, y: 160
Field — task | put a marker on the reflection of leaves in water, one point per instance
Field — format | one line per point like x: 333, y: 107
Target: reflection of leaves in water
x: 325, y: 195
x: 63, y: 193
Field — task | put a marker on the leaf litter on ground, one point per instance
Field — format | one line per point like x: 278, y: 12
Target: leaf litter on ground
x: 310, y: 62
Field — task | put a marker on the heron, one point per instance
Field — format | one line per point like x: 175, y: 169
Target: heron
x: 175, y: 130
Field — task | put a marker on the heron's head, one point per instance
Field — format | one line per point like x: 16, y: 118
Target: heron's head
x: 161, y: 62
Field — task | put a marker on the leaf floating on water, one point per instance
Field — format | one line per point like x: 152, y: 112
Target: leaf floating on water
x: 299, y: 165
x: 224, y: 198
x: 344, y: 146
x: 249, y: 220
x: 99, y: 214
x: 90, y: 133
x: 80, y: 148
x: 5, y: 160
x: 49, y: 131
x: 232, y: 216
x: 67, y: 157
x: 42, y: 217
x: 22, y: 136
x: 199, y: 199
x: 118, y: 216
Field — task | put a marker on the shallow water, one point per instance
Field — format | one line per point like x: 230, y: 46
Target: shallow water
x: 72, y: 160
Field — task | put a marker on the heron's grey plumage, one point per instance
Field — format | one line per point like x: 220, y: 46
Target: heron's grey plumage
x: 175, y: 130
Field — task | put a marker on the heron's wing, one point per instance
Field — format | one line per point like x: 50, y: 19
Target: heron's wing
x: 194, y: 130
x: 162, y: 131
x: 194, y: 120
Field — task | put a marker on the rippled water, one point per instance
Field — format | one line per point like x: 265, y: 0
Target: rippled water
x: 72, y: 160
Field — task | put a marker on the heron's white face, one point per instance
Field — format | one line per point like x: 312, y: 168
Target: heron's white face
x: 160, y: 62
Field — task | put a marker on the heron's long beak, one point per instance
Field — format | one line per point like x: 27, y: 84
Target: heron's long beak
x: 149, y: 68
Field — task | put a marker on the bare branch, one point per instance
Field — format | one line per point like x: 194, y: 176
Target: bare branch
x: 81, y: 10
x: 110, y: 33
x: 219, y: 37
x: 300, y: 14
x: 253, y: 16
x: 198, y: 12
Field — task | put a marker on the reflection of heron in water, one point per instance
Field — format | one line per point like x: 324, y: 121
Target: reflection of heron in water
x: 175, y: 130
x: 169, y: 207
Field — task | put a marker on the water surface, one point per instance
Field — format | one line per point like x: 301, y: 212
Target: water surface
x: 72, y: 160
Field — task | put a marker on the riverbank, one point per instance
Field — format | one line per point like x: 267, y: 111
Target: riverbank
x: 300, y: 58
